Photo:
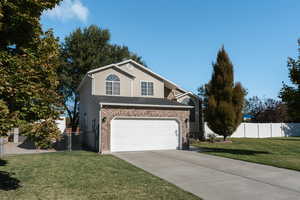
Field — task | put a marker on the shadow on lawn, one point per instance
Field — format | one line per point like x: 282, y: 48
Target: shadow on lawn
x: 294, y: 139
x: 6, y: 181
x: 3, y: 162
x: 233, y: 151
x: 27, y: 145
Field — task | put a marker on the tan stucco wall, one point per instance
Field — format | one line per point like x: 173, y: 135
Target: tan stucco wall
x: 109, y: 112
x: 100, y: 77
x: 91, y: 108
x: 141, y: 75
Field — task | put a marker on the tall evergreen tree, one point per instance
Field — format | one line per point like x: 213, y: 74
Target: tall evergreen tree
x: 223, y: 98
x: 82, y: 51
x: 291, y: 94
x: 29, y: 59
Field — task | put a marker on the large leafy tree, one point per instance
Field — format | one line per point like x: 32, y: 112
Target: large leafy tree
x: 29, y: 59
x: 224, y: 99
x: 83, y: 50
x: 291, y: 94
x: 265, y: 110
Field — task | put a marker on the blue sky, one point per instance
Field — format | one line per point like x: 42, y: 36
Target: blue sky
x: 180, y: 39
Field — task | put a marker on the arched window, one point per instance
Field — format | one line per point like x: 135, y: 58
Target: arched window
x: 190, y: 102
x: 112, y: 83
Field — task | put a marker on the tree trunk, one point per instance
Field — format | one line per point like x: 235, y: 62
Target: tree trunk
x: 73, y: 115
x: 74, y: 128
x: 225, y: 136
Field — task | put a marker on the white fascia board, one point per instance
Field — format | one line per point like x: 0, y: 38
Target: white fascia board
x: 181, y: 95
x: 144, y: 105
x: 187, y: 93
x: 109, y: 66
x: 100, y: 68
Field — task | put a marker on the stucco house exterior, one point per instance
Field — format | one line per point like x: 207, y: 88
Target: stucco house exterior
x: 127, y: 107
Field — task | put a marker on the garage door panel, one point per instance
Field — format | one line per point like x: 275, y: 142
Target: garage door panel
x: 144, y: 134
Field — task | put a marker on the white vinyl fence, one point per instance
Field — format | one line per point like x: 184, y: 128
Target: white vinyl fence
x: 263, y: 130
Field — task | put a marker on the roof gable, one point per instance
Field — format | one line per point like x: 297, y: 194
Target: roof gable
x: 111, y: 66
x: 167, y: 82
x: 139, y: 72
x: 149, y: 71
x: 115, y: 67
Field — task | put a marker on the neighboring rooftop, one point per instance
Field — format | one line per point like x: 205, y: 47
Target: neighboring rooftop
x: 138, y: 101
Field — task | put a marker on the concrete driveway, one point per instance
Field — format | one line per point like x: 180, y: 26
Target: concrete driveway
x: 217, y: 178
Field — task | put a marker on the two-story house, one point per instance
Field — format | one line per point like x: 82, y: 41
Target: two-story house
x: 127, y: 107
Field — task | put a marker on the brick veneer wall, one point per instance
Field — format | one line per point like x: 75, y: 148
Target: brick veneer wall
x: 109, y: 112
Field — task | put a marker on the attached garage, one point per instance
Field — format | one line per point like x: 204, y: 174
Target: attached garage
x: 140, y: 124
x: 140, y: 134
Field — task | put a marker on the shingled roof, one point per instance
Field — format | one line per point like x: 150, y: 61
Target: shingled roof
x: 138, y: 101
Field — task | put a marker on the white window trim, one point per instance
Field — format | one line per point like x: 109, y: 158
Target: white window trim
x: 147, y: 88
x: 112, y: 87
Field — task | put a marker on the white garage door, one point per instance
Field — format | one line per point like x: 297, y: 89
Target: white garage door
x: 144, y: 134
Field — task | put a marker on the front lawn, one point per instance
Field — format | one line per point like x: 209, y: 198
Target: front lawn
x: 279, y: 152
x: 80, y: 175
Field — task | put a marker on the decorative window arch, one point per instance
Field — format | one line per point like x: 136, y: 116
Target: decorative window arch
x: 112, y: 83
x: 190, y: 102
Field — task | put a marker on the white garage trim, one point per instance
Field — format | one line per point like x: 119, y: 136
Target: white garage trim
x: 145, y: 105
x: 149, y: 118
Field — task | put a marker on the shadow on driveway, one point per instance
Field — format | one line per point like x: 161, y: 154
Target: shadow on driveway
x: 233, y: 151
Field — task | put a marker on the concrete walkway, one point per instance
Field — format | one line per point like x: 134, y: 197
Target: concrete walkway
x: 217, y: 178
x: 11, y: 148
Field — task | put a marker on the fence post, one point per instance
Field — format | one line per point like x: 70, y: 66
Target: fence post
x: 257, y: 130
x: 204, y: 128
x: 244, y: 129
x: 271, y: 129
x: 70, y: 140
x: 1, y: 146
x: 16, y: 135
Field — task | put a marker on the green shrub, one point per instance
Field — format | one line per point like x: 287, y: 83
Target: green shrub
x: 211, y: 138
x: 43, y: 133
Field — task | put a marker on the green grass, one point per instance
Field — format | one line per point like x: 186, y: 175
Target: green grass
x: 80, y: 175
x: 278, y: 152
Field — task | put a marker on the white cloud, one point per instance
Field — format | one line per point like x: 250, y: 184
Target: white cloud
x: 67, y: 10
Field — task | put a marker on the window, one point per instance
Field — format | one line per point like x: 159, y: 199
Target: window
x: 147, y: 88
x: 112, y: 85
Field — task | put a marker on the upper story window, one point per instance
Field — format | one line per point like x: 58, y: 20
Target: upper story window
x: 146, y: 88
x: 112, y: 85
